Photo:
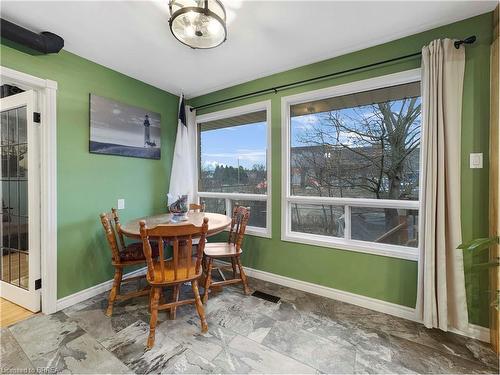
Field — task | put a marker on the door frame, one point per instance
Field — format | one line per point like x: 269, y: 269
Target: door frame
x: 46, y: 92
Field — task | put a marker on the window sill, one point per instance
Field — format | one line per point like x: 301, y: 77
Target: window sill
x: 259, y: 232
x: 393, y: 251
x: 256, y: 231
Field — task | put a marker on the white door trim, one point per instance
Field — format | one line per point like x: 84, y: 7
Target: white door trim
x: 47, y: 95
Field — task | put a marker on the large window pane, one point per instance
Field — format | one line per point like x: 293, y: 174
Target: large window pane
x: 233, y: 157
x: 385, y: 225
x: 258, y: 212
x: 325, y: 220
x: 362, y: 145
x: 233, y: 161
x: 214, y: 205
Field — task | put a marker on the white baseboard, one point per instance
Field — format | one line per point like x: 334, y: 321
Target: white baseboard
x: 473, y: 331
x: 336, y: 294
x: 93, y: 291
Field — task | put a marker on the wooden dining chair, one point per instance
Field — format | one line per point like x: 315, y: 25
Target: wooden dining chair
x: 182, y: 267
x: 122, y: 256
x: 197, y: 207
x: 228, y: 250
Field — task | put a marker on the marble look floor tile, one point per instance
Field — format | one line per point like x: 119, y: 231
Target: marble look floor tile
x: 451, y: 343
x: 187, y: 361
x: 129, y: 345
x: 12, y: 357
x: 188, y: 333
x: 56, y: 342
x: 311, y: 322
x: 366, y: 318
x: 42, y: 336
x: 285, y: 294
x: 241, y: 319
x: 322, y: 354
x: 93, y: 320
x: 84, y: 355
x: 423, y: 359
x: 157, y: 359
x: 312, y: 303
x: 102, y: 298
x: 101, y: 326
x: 372, y: 323
x: 288, y: 312
x: 366, y: 364
x: 246, y: 356
x: 303, y: 333
x: 374, y: 344
x: 483, y: 353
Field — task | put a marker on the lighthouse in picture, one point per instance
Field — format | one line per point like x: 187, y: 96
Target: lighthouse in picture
x: 147, y: 135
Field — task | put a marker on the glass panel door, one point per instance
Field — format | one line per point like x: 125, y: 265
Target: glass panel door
x: 19, y: 230
x: 14, y: 147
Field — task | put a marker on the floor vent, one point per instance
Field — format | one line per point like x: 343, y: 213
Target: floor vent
x: 266, y: 296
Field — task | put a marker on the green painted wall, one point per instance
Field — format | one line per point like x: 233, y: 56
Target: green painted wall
x: 388, y: 279
x: 89, y: 184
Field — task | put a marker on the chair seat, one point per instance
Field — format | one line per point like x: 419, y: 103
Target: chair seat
x: 133, y: 252
x: 221, y: 250
x: 185, y: 271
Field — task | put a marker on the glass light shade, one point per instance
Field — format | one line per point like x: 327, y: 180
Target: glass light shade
x: 198, y: 23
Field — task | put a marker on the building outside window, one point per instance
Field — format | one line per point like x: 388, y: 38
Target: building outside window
x: 352, y: 166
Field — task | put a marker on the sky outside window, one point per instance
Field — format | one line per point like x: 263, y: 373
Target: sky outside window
x: 243, y: 145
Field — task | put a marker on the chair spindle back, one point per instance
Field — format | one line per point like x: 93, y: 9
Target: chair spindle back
x: 239, y: 222
x: 118, y: 228
x: 197, y: 207
x: 108, y: 223
x: 181, y: 238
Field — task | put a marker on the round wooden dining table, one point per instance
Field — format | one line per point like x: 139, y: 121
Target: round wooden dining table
x: 216, y: 222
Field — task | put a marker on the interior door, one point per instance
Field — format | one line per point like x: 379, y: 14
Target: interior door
x: 20, y: 191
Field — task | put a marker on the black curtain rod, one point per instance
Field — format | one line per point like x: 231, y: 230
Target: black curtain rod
x: 275, y: 89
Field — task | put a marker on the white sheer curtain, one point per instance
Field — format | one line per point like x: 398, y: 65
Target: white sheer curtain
x: 183, y: 175
x: 441, y: 300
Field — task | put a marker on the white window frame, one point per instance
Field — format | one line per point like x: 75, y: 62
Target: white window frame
x: 237, y: 111
x: 346, y: 243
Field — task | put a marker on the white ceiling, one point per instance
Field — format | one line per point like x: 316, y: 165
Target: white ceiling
x: 264, y: 37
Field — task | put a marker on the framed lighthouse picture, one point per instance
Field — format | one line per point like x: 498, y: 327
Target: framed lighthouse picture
x: 120, y: 129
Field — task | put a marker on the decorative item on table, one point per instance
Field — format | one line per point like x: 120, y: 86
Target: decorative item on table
x: 178, y: 208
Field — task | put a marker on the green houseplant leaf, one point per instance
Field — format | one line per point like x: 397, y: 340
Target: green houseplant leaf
x: 479, y: 244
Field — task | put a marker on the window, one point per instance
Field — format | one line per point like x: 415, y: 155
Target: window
x: 233, y: 163
x: 351, y: 166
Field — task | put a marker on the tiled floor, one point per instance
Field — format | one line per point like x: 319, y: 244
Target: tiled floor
x: 303, y: 333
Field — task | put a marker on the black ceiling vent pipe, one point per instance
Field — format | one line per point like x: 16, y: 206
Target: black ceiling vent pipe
x: 43, y: 43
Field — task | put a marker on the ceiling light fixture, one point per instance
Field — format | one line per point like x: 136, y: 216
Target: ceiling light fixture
x: 198, y: 23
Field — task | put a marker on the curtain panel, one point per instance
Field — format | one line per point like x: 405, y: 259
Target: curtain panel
x: 183, y: 174
x: 441, y: 300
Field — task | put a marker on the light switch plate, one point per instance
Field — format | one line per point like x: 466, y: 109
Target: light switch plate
x: 476, y: 160
x: 121, y: 204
